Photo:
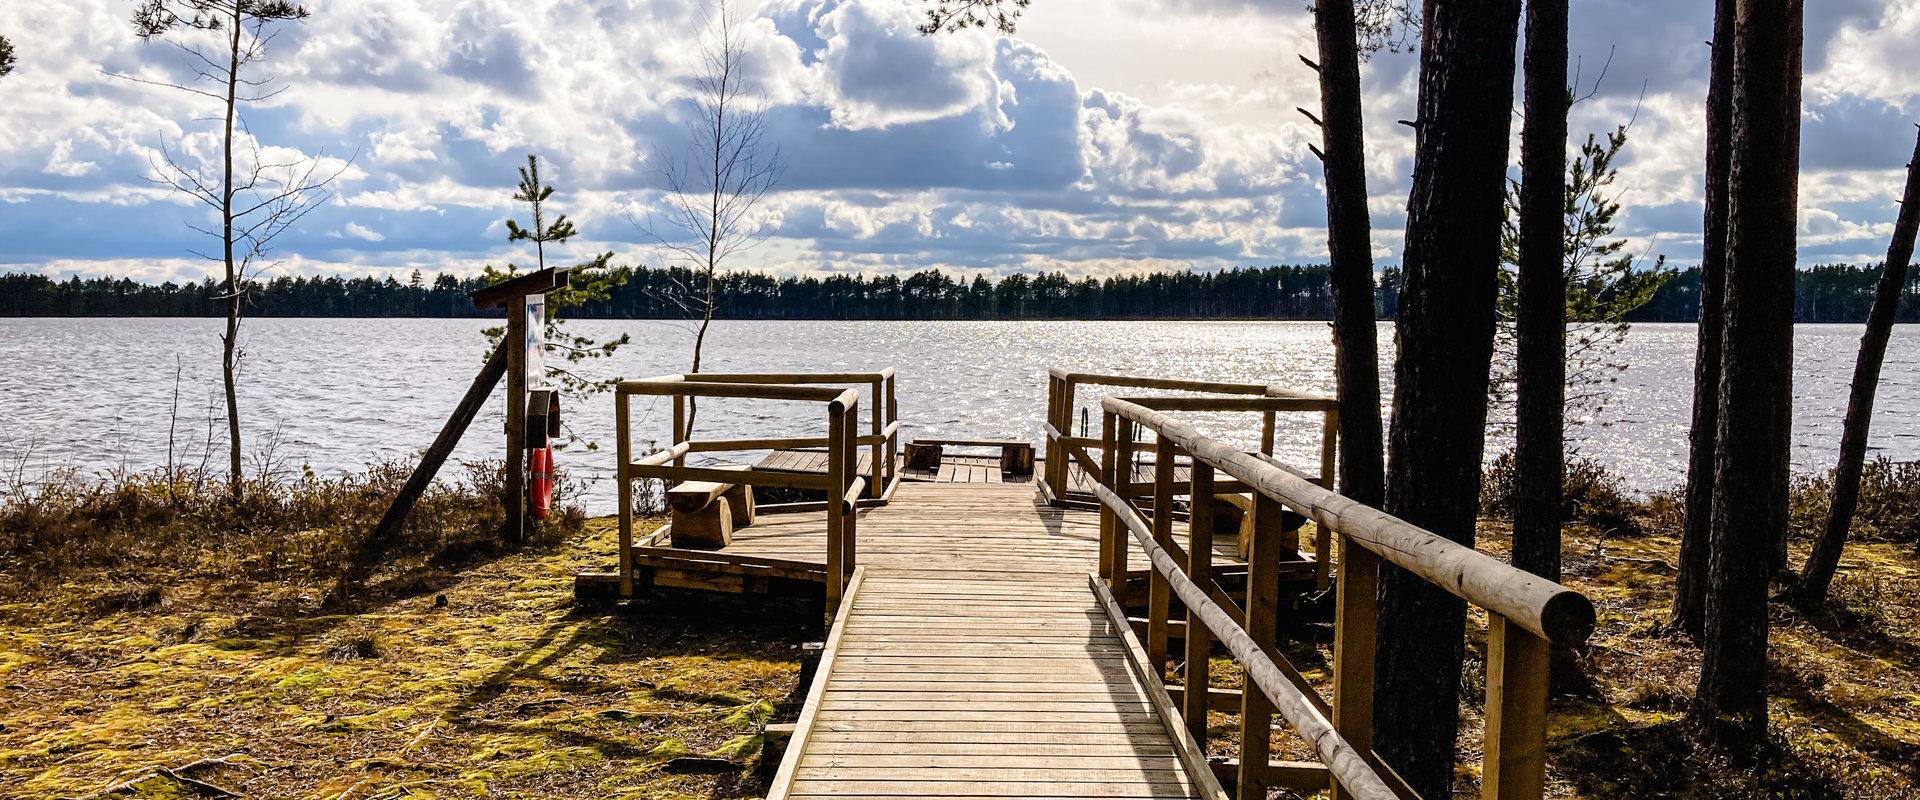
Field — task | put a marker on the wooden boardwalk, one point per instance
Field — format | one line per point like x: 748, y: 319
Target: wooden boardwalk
x: 972, y: 658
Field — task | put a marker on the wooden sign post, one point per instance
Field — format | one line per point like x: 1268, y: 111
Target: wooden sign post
x: 524, y: 298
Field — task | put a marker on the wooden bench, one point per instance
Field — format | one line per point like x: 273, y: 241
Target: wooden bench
x: 704, y: 513
x: 1016, y: 457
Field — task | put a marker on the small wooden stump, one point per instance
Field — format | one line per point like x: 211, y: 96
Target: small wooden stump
x: 710, y: 528
x: 923, y: 456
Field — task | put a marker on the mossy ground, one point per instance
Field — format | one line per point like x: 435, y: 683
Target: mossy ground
x: 503, y: 689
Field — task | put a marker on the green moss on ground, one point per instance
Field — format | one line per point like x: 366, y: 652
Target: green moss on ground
x: 506, y: 690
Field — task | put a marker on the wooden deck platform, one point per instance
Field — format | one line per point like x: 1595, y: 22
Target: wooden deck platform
x: 972, y: 658
x: 953, y: 469
x: 781, y: 549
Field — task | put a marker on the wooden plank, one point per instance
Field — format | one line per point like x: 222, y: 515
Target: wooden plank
x: 783, y: 778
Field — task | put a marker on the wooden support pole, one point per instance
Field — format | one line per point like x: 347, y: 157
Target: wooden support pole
x: 388, y: 529
x: 1159, y: 592
x: 1263, y: 612
x: 1355, y: 627
x: 515, y: 343
x: 1198, y: 641
x: 1515, y: 765
x: 623, y: 434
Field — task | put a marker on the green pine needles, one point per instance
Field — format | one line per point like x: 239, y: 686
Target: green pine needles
x: 592, y: 280
x: 1604, y: 283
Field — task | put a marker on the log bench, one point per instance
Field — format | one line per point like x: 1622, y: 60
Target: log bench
x: 704, y: 513
x: 1016, y: 457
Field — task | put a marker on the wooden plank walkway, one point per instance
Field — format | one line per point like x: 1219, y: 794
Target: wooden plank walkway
x: 953, y: 469
x: 974, y: 660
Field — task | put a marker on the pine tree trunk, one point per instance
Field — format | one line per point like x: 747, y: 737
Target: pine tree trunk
x: 1356, y: 360
x: 1756, y: 369
x: 1445, y: 336
x: 1825, y: 558
x: 1690, y: 580
x: 1540, y: 328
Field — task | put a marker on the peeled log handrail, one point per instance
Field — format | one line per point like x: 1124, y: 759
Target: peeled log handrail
x: 1547, y: 609
x: 1351, y: 768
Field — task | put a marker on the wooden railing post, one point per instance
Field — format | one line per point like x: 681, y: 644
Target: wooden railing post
x: 1109, y: 524
x: 1199, y: 640
x: 1356, y: 618
x: 836, y: 517
x: 1329, y: 448
x: 1053, y: 450
x: 1516, y: 734
x: 1120, y: 479
x: 850, y: 519
x: 1159, y: 592
x: 876, y: 482
x: 623, y: 435
x: 893, y: 439
x: 1263, y: 612
x: 680, y: 431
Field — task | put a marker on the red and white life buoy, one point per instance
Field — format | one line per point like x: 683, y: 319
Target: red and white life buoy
x: 540, y: 484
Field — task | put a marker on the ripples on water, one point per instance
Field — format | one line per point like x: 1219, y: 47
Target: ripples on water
x: 97, y: 393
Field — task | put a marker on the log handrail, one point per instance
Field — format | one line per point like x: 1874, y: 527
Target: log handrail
x: 1341, y: 758
x: 1526, y: 615
x: 1267, y: 399
x: 841, y: 483
x: 1544, y: 608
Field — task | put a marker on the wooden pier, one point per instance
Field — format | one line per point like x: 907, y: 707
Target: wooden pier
x: 1013, y: 637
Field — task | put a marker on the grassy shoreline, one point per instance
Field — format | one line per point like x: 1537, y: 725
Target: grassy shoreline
x: 158, y: 647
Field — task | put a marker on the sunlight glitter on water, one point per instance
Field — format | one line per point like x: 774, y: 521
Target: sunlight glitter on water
x: 337, y: 393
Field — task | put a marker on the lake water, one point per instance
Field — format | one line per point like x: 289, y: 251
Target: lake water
x: 336, y: 393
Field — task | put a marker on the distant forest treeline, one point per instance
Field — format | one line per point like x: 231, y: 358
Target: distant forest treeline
x: 1828, y: 293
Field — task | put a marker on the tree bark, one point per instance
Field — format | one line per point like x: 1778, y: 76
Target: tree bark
x: 1825, y: 558
x: 1756, y: 369
x: 1540, y: 326
x: 1445, y: 336
x: 1356, y: 360
x: 1690, y: 580
x: 230, y: 341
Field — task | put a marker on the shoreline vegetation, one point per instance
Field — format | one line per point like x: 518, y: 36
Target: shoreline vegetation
x: 160, y: 640
x: 1824, y: 293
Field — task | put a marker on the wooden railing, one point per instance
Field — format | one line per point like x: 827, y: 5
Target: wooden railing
x: 841, y: 483
x: 1062, y: 445
x: 882, y: 440
x: 1525, y: 613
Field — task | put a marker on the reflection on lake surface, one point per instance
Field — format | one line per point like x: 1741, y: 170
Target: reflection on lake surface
x: 337, y: 393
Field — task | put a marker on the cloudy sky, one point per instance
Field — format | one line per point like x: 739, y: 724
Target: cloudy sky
x: 1107, y: 136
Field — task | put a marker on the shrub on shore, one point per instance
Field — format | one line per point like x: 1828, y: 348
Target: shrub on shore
x: 151, y: 527
x: 1889, y: 509
x: 1591, y: 494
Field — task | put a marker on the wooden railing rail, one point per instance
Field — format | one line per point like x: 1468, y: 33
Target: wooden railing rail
x: 1266, y: 399
x: 884, y: 438
x: 841, y: 483
x: 1526, y: 614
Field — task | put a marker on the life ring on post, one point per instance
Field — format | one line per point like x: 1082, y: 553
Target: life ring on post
x: 540, y: 484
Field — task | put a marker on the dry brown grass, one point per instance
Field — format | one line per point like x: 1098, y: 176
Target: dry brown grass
x: 466, y: 680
